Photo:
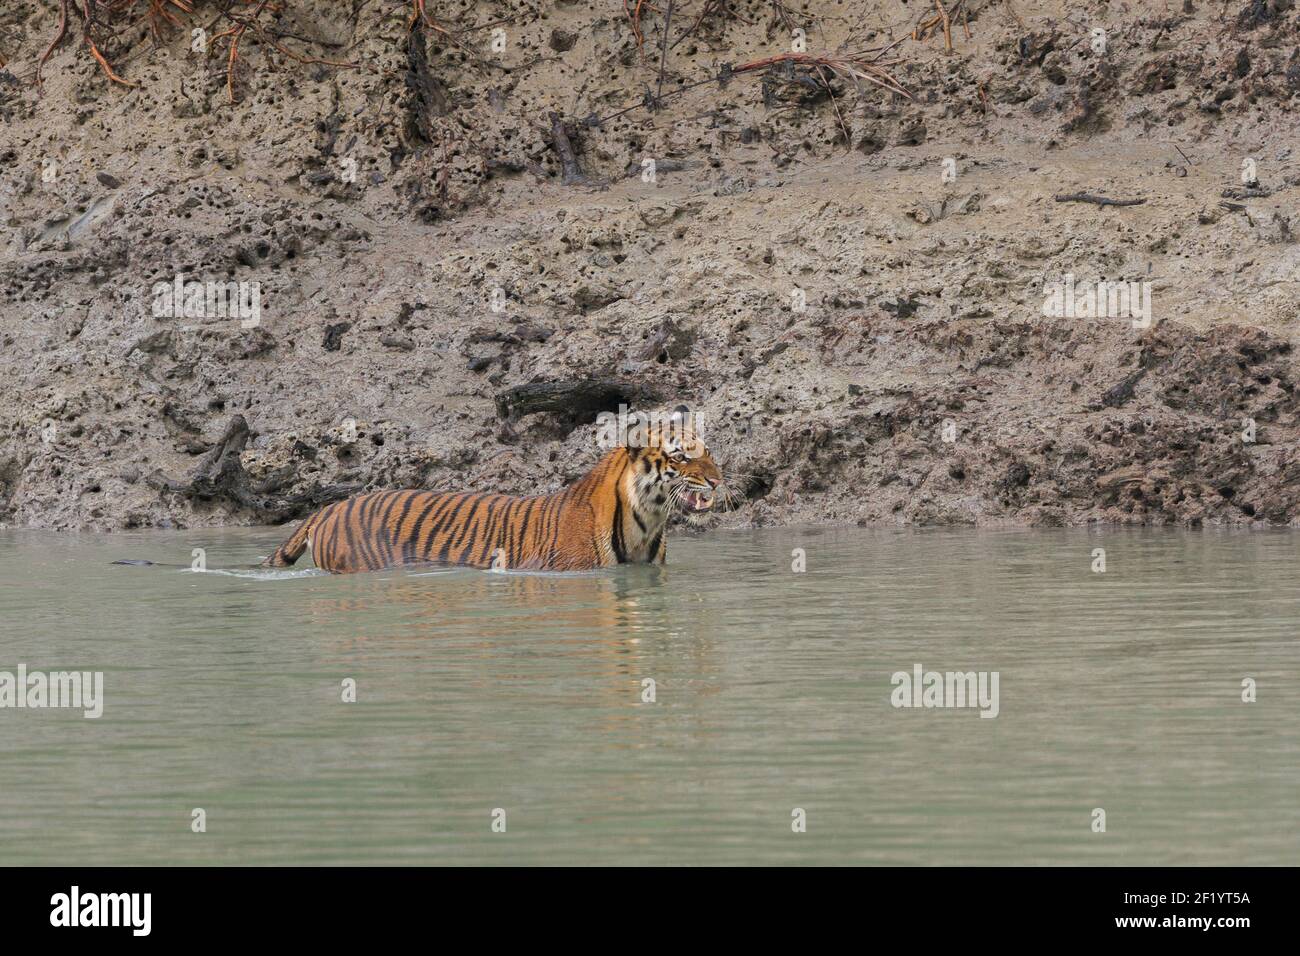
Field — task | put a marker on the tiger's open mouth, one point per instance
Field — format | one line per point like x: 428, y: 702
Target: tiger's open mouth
x: 697, y: 500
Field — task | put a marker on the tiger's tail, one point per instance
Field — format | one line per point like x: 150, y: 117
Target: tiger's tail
x: 292, y: 550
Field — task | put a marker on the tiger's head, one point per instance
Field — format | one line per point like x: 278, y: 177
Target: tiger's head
x: 673, y: 465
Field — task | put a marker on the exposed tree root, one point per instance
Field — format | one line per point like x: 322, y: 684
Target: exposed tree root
x: 158, y: 12
x: 163, y: 15
x: 634, y: 18
x: 242, y: 24
x: 87, y: 9
x: 58, y: 38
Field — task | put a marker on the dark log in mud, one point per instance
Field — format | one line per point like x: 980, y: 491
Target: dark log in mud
x: 576, y: 399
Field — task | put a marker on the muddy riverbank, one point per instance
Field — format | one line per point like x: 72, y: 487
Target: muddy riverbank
x: 878, y: 301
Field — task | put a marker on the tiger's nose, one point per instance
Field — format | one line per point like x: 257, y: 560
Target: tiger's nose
x: 714, y: 482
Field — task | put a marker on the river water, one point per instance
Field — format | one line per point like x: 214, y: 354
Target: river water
x: 522, y: 701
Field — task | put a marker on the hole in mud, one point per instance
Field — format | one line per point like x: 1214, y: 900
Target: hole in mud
x: 758, y: 486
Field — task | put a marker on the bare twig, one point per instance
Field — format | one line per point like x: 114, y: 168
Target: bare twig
x: 848, y: 140
x: 856, y: 67
x: 663, y: 57
x: 704, y: 12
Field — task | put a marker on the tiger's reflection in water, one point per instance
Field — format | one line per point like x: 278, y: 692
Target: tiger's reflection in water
x: 518, y: 637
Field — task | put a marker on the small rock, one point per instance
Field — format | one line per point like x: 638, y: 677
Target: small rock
x: 396, y: 340
x: 562, y: 41
x: 333, y: 339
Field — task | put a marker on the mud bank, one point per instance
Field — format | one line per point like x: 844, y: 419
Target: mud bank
x: 861, y: 293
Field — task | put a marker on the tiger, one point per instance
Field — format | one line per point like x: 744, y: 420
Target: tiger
x: 614, y: 514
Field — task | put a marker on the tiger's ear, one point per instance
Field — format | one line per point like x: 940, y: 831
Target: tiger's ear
x: 684, y: 426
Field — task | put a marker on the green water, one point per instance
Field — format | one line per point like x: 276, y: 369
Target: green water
x: 476, y: 691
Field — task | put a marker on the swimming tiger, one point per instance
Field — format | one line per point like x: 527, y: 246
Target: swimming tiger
x: 614, y: 514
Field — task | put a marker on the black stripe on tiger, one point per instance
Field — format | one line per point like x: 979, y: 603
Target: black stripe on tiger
x: 442, y: 523
x: 396, y: 537
x: 456, y: 535
x: 447, y: 527
x: 366, y: 541
x: 616, y: 533
x: 385, y: 530
x: 479, y: 554
x: 411, y: 552
x: 289, y: 552
x: 435, y: 508
x: 324, y: 536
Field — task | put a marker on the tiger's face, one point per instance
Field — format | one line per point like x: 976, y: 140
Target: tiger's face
x: 675, y: 468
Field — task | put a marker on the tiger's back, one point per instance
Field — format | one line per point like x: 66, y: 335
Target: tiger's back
x: 386, y: 529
